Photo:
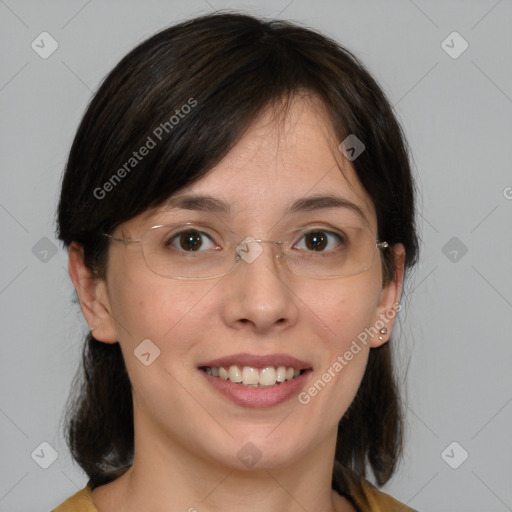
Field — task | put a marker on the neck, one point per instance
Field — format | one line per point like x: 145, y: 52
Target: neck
x: 165, y: 477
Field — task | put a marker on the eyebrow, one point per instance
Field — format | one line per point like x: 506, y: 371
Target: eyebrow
x: 199, y: 203
x: 322, y: 202
x: 301, y: 205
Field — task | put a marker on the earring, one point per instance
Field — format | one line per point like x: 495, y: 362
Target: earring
x: 383, y: 331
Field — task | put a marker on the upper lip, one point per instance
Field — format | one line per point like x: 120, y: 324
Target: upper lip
x: 257, y: 361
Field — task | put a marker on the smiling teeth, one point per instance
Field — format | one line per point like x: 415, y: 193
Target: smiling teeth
x: 252, y: 377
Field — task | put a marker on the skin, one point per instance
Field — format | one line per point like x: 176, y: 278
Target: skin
x: 187, y: 435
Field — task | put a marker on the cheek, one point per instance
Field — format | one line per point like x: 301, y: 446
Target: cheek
x: 342, y: 313
x: 167, y: 313
x: 155, y: 308
x: 345, y: 308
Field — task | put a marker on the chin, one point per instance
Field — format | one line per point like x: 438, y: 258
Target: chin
x: 255, y: 449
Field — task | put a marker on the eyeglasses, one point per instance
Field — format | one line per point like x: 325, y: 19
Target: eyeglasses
x: 194, y: 251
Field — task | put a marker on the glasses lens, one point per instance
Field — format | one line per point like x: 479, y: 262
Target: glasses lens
x: 322, y: 253
x: 184, y: 251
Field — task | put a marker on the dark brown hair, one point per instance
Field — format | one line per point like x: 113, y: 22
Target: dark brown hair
x: 230, y: 67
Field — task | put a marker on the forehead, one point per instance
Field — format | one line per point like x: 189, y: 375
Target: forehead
x: 279, y: 166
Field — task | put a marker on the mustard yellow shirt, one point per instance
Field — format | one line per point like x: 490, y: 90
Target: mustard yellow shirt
x: 377, y: 501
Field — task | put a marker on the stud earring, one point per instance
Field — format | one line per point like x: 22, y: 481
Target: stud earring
x: 383, y: 331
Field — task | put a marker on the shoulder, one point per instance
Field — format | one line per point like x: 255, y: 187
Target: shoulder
x: 79, y: 502
x: 381, y: 502
x: 364, y: 496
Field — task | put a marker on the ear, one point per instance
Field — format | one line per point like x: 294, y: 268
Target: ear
x: 93, y: 296
x: 389, y: 302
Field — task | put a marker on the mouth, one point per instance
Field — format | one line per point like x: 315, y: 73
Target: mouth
x: 249, y: 376
x: 256, y: 381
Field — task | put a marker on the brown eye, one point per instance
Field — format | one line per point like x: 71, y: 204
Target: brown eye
x: 190, y: 240
x: 316, y: 241
x: 320, y: 240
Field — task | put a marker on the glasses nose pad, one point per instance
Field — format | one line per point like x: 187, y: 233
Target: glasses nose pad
x: 248, y: 251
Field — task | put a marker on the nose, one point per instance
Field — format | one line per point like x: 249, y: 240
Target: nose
x: 257, y: 294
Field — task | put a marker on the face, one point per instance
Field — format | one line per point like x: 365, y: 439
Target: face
x: 258, y: 315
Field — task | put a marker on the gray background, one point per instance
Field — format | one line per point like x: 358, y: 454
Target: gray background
x: 455, y: 350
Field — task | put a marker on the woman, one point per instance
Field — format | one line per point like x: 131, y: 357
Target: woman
x: 239, y: 212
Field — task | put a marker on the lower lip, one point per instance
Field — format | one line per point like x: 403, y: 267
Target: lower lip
x: 258, y: 397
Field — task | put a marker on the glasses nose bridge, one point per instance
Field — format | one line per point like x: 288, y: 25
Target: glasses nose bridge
x: 250, y: 249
